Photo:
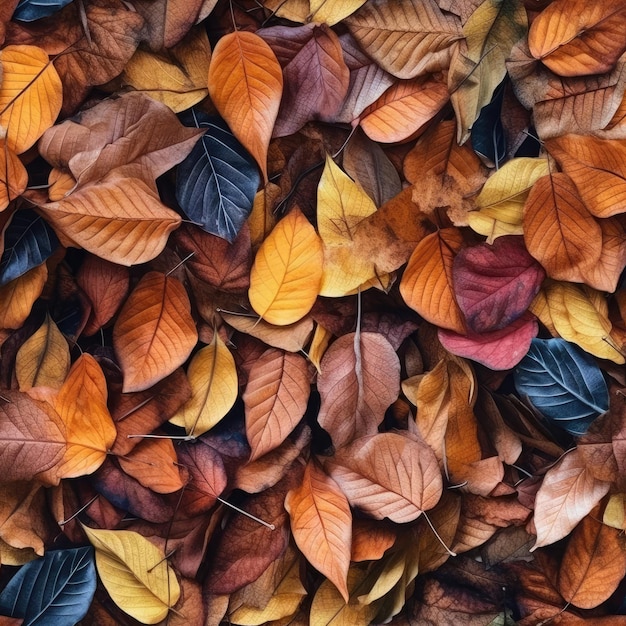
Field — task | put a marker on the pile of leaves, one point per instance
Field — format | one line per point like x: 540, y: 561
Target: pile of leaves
x: 312, y: 312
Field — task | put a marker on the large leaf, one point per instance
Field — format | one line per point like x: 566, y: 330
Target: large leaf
x: 154, y: 333
x: 216, y: 183
x: 563, y: 383
x: 246, y: 85
x: 30, y: 95
x: 57, y: 589
x: 28, y: 242
x: 30, y: 10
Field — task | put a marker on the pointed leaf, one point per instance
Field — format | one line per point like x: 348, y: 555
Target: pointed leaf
x: 135, y: 573
x: 30, y: 10
x: 216, y: 183
x: 18, y: 296
x: 30, y: 95
x: 321, y: 523
x: 563, y: 383
x: 13, y: 175
x: 213, y: 378
x: 57, y: 589
x: 388, y: 475
x: 360, y: 378
x: 154, y: 333
x: 275, y: 399
x: 287, y: 271
x: 246, y: 85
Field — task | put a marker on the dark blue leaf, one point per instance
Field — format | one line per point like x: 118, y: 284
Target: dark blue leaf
x: 216, y: 183
x: 28, y: 242
x: 55, y: 590
x: 563, y: 383
x: 30, y: 10
x: 488, y: 137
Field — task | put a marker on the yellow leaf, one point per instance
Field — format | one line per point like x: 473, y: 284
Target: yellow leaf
x: 332, y: 11
x: 18, y: 296
x: 31, y: 95
x: 43, y: 360
x: 615, y: 511
x: 319, y: 343
x: 178, y: 79
x: 213, y: 378
x: 135, y: 573
x: 293, y: 10
x: 287, y: 271
x: 13, y: 175
x: 246, y: 85
x: 580, y: 316
x: 383, y: 576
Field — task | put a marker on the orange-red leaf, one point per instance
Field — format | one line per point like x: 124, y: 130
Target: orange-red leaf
x: 154, y: 333
x: 321, y: 523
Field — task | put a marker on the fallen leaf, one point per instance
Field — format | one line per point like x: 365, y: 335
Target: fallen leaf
x: 18, y: 296
x: 13, y: 174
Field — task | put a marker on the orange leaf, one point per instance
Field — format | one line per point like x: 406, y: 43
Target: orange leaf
x: 321, y: 523
x: 559, y: 231
x: 18, y: 296
x: 82, y: 405
x: 568, y: 492
x: 388, y: 475
x: 593, y: 565
x: 426, y: 284
x: 13, y: 175
x: 154, y: 333
x: 30, y: 95
x: 287, y: 271
x: 246, y: 85
x: 404, y: 108
x: 360, y: 378
x: 577, y: 38
x: 275, y: 399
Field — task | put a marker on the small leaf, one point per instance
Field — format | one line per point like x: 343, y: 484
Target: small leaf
x: 31, y: 10
x: 13, y: 175
x: 246, y: 85
x: 287, y: 271
x: 216, y: 183
x: 321, y: 523
x: 18, y: 296
x: 563, y: 383
x: 154, y: 333
x: 30, y: 95
x: 56, y: 589
x: 213, y: 378
x: 135, y: 573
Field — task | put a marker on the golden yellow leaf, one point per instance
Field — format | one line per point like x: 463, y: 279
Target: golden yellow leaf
x: 178, y: 79
x: 43, y: 360
x: 13, y: 175
x: 246, y: 85
x: 213, y: 378
x: 383, y: 576
x: 493, y: 222
x: 135, y: 573
x: 60, y: 184
x: 319, y: 343
x: 332, y: 11
x: 615, y: 511
x: 287, y: 271
x: 31, y: 95
x: 580, y: 316
x: 293, y: 10
x: 17, y: 296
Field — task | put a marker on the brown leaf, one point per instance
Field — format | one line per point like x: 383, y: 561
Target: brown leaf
x: 154, y: 333
x: 593, y: 565
x: 275, y: 399
x: 321, y: 523
x: 360, y: 378
x: 167, y: 21
x: 13, y: 175
x: 370, y: 540
x: 388, y: 475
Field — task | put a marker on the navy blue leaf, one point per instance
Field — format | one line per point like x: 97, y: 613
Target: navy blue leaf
x: 216, y: 183
x: 28, y: 242
x: 563, y: 383
x: 55, y: 590
x: 488, y: 137
x: 30, y: 10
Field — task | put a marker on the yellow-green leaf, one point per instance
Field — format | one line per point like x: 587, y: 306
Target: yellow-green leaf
x: 135, y: 573
x: 287, y: 271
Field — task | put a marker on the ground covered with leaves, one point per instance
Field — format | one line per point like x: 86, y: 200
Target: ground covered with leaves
x: 312, y: 312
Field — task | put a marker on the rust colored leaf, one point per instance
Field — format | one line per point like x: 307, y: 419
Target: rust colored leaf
x: 316, y: 82
x: 13, y: 175
x: 370, y: 540
x: 427, y: 282
x: 388, y: 475
x: 568, y: 492
x: 559, y: 231
x: 246, y: 85
x: 593, y: 565
x: 321, y: 523
x: 17, y: 296
x: 106, y: 285
x: 154, y: 333
x: 360, y: 378
x: 578, y: 38
x: 275, y: 399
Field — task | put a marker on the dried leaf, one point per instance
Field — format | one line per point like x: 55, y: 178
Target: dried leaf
x: 18, y: 295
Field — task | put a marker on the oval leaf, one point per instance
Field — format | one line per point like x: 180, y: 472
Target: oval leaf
x: 563, y: 383
x: 287, y: 271
x: 154, y: 333
x: 246, y: 85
